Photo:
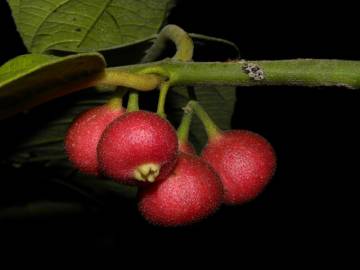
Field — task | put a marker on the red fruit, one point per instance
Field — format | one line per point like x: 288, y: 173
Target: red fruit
x: 84, y: 134
x: 192, y: 192
x: 187, y: 148
x: 245, y: 162
x: 138, y: 147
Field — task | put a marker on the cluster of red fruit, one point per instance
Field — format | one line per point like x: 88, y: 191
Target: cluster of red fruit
x: 176, y: 186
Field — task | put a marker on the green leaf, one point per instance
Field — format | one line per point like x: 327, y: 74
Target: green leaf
x: 87, y: 25
x: 218, y: 101
x: 29, y: 80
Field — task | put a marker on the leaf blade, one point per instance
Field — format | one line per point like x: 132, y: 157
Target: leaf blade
x: 32, y: 79
x: 85, y: 26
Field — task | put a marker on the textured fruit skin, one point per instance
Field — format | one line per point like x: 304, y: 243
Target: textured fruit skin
x: 84, y: 134
x: 187, y: 147
x: 134, y: 139
x: 245, y: 162
x: 192, y: 192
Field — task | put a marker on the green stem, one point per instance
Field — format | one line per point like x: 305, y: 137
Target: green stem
x: 183, y: 42
x: 141, y: 82
x: 300, y: 72
x: 164, y: 88
x: 133, y: 102
x: 115, y: 102
x: 184, y: 127
x: 211, y: 128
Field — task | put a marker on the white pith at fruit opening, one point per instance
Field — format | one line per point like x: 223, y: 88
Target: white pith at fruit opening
x: 147, y: 172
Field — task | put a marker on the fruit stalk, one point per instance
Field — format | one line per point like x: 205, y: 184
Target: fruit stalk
x: 116, y: 100
x: 164, y: 88
x: 183, y: 132
x: 184, y: 127
x: 211, y: 128
x: 133, y: 102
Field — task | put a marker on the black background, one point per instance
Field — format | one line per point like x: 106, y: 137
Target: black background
x: 311, y: 200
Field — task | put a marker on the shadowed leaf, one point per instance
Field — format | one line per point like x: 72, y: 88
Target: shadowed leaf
x: 32, y: 79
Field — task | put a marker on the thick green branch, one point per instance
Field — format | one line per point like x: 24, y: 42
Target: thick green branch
x: 141, y: 82
x: 301, y: 72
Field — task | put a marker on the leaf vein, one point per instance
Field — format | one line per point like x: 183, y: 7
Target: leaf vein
x: 44, y: 20
x: 94, y: 22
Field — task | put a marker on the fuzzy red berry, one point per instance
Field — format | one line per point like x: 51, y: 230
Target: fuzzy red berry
x: 192, y: 192
x: 138, y: 147
x: 245, y: 162
x: 84, y: 134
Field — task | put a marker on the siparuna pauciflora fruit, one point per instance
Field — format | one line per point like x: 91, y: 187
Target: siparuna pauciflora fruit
x: 84, y: 134
x: 138, y: 147
x: 176, y: 187
x: 192, y: 192
x: 244, y: 160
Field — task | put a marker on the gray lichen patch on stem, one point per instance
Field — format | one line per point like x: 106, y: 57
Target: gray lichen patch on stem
x: 254, y: 71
